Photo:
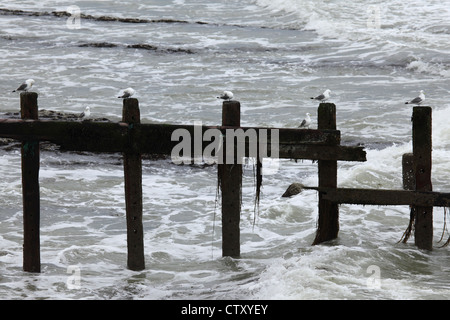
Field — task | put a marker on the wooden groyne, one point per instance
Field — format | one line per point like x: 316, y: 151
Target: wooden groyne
x: 133, y: 139
x: 417, y: 193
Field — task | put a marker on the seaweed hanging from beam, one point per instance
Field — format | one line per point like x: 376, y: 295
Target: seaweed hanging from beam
x: 406, y: 235
x: 258, y: 177
x: 409, y: 229
x: 446, y: 212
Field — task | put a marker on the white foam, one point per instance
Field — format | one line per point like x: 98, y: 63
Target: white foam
x: 427, y: 67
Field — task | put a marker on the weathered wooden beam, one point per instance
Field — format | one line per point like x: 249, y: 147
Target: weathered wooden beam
x: 309, y: 136
x: 30, y: 188
x: 423, y: 230
x: 320, y: 152
x: 59, y: 131
x: 157, y: 138
x: 328, y: 222
x: 384, y: 197
x: 230, y: 180
x: 73, y: 136
x: 133, y: 189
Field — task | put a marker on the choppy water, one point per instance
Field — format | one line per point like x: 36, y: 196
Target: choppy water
x: 273, y: 55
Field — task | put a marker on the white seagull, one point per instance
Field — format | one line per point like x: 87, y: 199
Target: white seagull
x: 86, y: 113
x: 25, y: 86
x: 128, y: 92
x: 323, y: 97
x: 306, y: 122
x: 417, y: 100
x: 226, y: 95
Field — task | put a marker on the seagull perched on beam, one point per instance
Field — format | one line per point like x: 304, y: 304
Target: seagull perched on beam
x: 323, y: 97
x: 128, y: 92
x: 306, y: 122
x: 417, y: 100
x: 25, y: 86
x: 226, y: 95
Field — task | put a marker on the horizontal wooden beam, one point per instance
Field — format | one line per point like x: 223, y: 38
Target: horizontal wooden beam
x: 49, y: 129
x: 322, y: 152
x: 74, y: 136
x: 385, y: 197
x: 157, y: 138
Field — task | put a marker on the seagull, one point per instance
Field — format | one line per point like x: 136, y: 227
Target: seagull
x: 323, y: 97
x: 128, y: 92
x: 417, y: 100
x: 306, y: 122
x: 86, y: 113
x: 226, y: 95
x: 25, y: 86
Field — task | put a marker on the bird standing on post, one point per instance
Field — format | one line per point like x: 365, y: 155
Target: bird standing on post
x: 226, y: 95
x: 417, y: 100
x: 128, y: 92
x: 323, y: 97
x: 306, y: 122
x: 25, y: 86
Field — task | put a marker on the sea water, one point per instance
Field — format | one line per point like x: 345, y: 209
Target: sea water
x: 274, y: 55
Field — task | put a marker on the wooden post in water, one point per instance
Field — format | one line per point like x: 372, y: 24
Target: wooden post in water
x: 230, y: 177
x: 423, y: 231
x: 30, y: 188
x: 133, y: 190
x: 328, y: 224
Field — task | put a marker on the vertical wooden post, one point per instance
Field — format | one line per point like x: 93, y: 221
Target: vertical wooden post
x: 30, y: 188
x: 230, y: 177
x: 328, y: 224
x: 423, y: 231
x: 133, y: 190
